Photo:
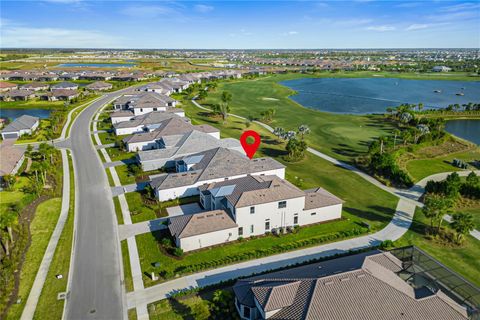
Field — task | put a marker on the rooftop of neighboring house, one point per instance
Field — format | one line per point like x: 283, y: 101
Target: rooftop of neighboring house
x: 213, y: 164
x: 172, y: 126
x: 21, y: 123
x: 7, y: 85
x: 99, y: 85
x: 361, y: 286
x: 9, y: 157
x: 144, y: 100
x: 253, y: 190
x: 319, y: 197
x: 34, y: 85
x: 185, y: 144
x: 154, y: 117
x: 200, y: 223
x: 60, y: 93
x: 20, y: 93
x: 65, y: 84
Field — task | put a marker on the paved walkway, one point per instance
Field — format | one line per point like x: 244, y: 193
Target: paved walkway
x: 142, y: 312
x: 126, y: 231
x: 42, y: 272
x: 122, y: 189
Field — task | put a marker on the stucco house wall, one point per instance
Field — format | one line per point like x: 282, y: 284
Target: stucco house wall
x: 207, y: 239
x: 321, y: 214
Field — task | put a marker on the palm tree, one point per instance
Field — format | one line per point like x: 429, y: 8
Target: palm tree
x: 406, y: 136
x: 435, y: 208
x: 382, y: 141
x: 462, y: 223
x: 396, y: 133
x: 303, y: 130
x: 8, y: 219
x: 37, y: 168
x: 420, y: 106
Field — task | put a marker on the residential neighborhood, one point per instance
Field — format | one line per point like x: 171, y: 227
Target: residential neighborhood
x: 239, y: 160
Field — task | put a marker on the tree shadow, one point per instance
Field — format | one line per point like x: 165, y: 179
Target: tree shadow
x: 377, y: 213
x: 270, y: 152
x: 181, y: 309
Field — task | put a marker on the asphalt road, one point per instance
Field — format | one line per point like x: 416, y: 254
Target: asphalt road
x: 95, y: 290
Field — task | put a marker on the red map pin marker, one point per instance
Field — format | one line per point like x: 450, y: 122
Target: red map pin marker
x: 250, y: 149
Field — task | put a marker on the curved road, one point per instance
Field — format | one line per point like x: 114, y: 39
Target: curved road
x: 95, y: 282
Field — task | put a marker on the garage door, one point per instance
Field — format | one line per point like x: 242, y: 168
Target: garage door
x: 9, y: 135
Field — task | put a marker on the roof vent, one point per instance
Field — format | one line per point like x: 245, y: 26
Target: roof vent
x: 328, y: 283
x: 344, y: 279
x: 361, y: 275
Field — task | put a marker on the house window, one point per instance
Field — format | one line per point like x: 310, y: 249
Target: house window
x: 252, y: 210
x: 240, y: 231
x: 313, y: 214
x: 295, y: 218
x: 141, y: 109
x: 251, y: 228
x: 154, y: 109
x: 267, y: 225
x: 282, y: 204
x: 246, y: 312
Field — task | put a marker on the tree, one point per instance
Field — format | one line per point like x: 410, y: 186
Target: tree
x: 9, y: 181
x: 396, y: 133
x: 37, y: 168
x: 226, y: 97
x: 279, y: 132
x: 435, y: 208
x: 8, y: 219
x: 406, y: 136
x: 296, y: 149
x: 462, y: 223
x: 382, y: 141
x: 303, y: 129
x: 224, y: 110
x: 268, y: 115
x: 472, y: 179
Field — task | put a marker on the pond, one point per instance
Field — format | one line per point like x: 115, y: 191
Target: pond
x: 97, y: 65
x: 15, y: 113
x: 374, y: 95
x: 465, y: 129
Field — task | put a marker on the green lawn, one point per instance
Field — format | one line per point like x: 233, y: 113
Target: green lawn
x: 461, y: 259
x: 32, y: 104
x: 421, y: 168
x: 41, y: 229
x: 48, y: 305
x: 189, y: 307
x: 341, y: 136
x: 116, y: 154
x: 127, y: 271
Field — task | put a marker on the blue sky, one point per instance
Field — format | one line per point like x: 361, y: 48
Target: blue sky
x: 247, y: 24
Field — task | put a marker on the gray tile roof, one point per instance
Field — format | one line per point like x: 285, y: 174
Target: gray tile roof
x: 150, y: 118
x: 99, y: 85
x: 253, y: 190
x: 169, y: 127
x: 200, y: 223
x: 215, y: 163
x: 63, y: 85
x: 144, y: 100
x: 122, y: 114
x: 186, y: 144
x: 21, y: 123
x: 361, y: 286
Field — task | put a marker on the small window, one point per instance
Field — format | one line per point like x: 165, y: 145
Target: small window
x: 246, y: 312
x: 282, y: 204
x: 295, y: 218
x: 313, y: 214
x: 252, y: 210
x: 154, y: 109
x: 267, y: 225
x: 141, y: 109
x: 251, y: 229
x: 240, y: 231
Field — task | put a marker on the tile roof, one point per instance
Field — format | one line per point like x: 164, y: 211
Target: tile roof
x: 319, y: 197
x: 21, y: 123
x: 145, y: 119
x: 215, y: 163
x: 9, y: 157
x: 99, y: 85
x: 200, y: 223
x: 361, y: 286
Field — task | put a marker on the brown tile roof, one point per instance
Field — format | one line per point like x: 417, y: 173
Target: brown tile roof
x: 319, y: 197
x: 361, y: 286
x: 9, y: 157
x: 9, y: 85
x: 200, y: 223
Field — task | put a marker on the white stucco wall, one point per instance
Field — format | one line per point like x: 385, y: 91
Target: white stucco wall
x: 132, y: 130
x: 147, y: 145
x: 278, y: 217
x: 120, y: 119
x: 321, y: 214
x: 208, y: 239
x: 140, y: 111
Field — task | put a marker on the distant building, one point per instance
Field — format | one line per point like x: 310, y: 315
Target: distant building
x: 99, y: 86
x: 7, y: 86
x: 35, y: 86
x: 22, y: 125
x: 65, y: 86
x: 441, y: 69
x: 11, y: 159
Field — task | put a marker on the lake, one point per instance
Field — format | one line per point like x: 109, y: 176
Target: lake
x: 465, y: 129
x: 15, y: 113
x: 374, y: 95
x: 97, y: 65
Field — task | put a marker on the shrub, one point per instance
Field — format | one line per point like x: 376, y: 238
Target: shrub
x: 178, y: 252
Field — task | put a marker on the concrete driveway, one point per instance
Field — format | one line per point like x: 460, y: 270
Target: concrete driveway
x: 189, y: 208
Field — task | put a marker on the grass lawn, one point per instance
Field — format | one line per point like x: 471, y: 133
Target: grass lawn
x: 421, y: 168
x: 127, y: 178
x: 16, y: 195
x: 32, y: 104
x: 461, y: 259
x: 41, y: 229
x: 180, y: 308
x: 48, y: 306
x: 116, y: 154
x: 118, y: 210
x: 341, y: 136
x: 127, y: 271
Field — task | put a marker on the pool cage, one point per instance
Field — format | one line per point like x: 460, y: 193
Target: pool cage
x: 426, y: 275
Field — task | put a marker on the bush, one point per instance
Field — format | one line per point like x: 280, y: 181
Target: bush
x: 178, y: 252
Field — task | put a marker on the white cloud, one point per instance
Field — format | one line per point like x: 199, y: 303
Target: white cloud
x: 460, y: 7
x: 203, y: 8
x: 27, y: 37
x: 415, y: 26
x: 290, y: 33
x: 381, y: 28
x: 147, y: 11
